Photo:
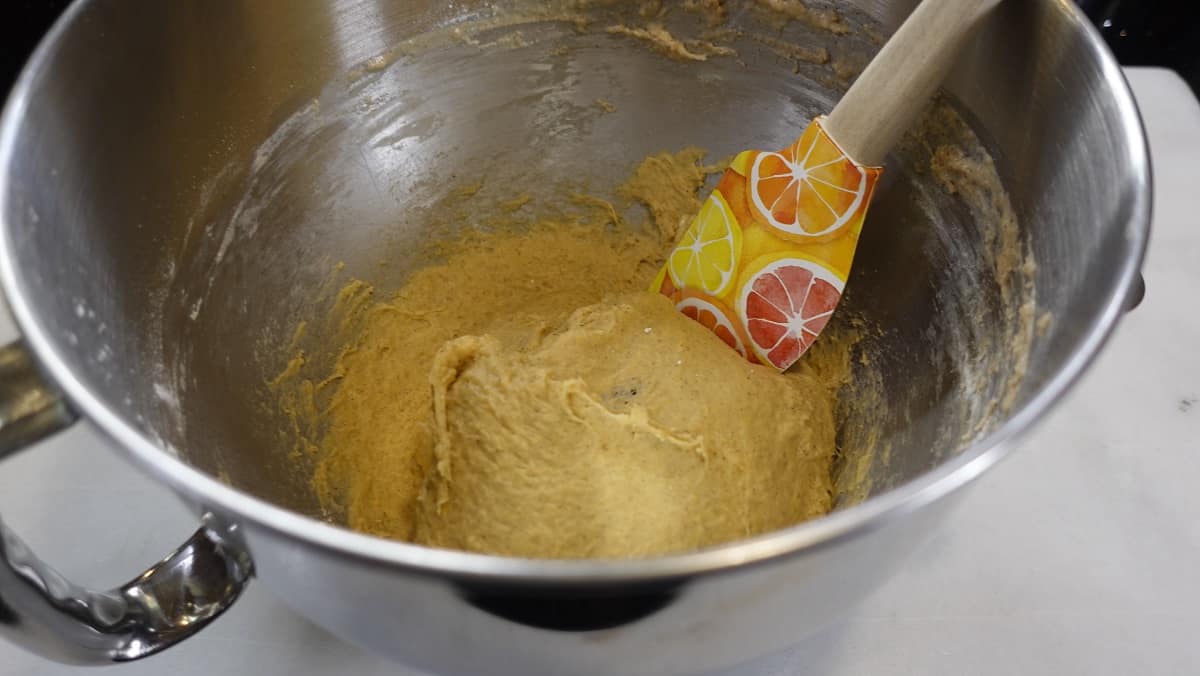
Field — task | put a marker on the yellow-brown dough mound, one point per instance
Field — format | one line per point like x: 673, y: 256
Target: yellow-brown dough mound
x: 629, y: 430
x: 541, y: 448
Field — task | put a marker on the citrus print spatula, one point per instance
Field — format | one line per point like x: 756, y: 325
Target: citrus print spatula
x: 764, y: 263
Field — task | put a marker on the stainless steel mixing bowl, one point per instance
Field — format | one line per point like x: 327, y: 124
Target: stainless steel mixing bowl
x: 178, y: 178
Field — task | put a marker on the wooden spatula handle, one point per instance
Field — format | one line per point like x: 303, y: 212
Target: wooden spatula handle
x: 893, y: 90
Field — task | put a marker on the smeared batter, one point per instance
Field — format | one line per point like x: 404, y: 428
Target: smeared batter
x: 527, y: 397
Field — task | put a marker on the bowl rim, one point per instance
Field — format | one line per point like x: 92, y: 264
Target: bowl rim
x: 875, y: 512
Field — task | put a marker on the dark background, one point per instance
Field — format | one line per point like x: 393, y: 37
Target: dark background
x: 1151, y: 33
x: 1140, y: 32
x: 22, y: 23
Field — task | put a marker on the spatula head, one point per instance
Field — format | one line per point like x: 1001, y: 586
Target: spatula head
x: 764, y: 263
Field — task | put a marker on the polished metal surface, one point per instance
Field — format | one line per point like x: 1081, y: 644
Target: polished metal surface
x: 44, y: 612
x: 178, y: 179
x: 170, y: 601
x: 29, y: 409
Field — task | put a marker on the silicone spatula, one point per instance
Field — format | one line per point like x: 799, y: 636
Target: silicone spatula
x: 765, y: 262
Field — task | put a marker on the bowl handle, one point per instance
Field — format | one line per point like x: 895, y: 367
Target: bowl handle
x: 48, y: 615
x: 1137, y: 292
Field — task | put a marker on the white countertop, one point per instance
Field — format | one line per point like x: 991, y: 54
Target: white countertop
x: 1080, y: 554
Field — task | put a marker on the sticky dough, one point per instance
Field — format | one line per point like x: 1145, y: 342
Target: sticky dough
x: 526, y: 396
x: 629, y: 430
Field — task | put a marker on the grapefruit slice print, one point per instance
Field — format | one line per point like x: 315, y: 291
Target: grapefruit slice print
x: 786, y: 304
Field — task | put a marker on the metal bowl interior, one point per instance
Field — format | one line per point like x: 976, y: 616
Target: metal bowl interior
x: 177, y: 181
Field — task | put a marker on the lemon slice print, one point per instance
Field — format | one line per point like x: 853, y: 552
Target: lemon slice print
x: 707, y: 255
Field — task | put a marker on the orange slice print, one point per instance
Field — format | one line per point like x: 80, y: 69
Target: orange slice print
x: 662, y: 284
x: 714, y: 316
x: 811, y: 189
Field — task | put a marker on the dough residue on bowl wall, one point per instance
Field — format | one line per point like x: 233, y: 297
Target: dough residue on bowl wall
x: 965, y: 169
x: 515, y: 271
